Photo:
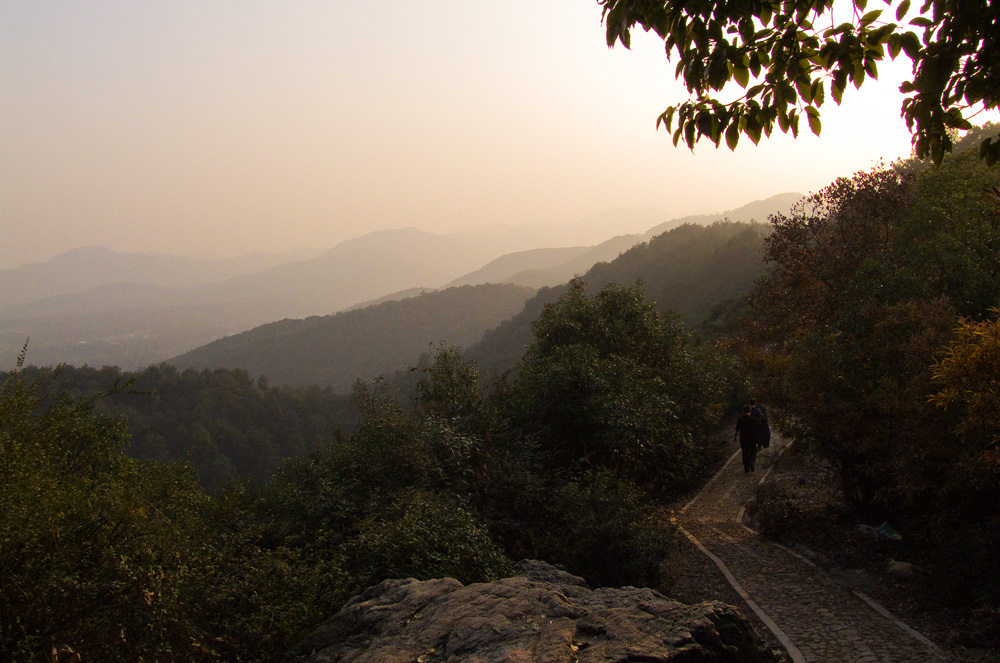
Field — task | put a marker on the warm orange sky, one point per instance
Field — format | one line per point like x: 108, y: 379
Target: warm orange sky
x: 232, y: 126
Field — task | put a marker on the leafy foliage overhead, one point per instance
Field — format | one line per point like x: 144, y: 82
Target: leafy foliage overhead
x: 788, y: 55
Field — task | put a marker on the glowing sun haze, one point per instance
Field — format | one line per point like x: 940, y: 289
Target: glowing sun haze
x: 227, y: 127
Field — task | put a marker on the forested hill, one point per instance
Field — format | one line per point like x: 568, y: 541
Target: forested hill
x: 703, y: 273
x: 226, y: 424
x: 335, y: 350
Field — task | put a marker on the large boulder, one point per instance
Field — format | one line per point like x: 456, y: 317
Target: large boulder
x: 543, y: 615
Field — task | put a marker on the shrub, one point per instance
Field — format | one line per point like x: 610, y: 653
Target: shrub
x: 604, y: 528
x: 425, y: 535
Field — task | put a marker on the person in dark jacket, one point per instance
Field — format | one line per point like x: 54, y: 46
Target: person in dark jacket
x: 760, y: 413
x: 748, y: 431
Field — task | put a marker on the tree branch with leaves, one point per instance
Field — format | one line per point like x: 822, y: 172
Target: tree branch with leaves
x: 789, y: 55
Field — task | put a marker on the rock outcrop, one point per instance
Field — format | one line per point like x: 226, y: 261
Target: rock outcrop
x: 543, y: 615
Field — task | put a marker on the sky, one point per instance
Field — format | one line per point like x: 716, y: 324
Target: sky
x: 245, y: 125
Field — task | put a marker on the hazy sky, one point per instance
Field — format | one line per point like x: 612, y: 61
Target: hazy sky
x: 231, y: 126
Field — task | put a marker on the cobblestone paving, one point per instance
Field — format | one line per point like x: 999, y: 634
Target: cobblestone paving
x: 816, y: 618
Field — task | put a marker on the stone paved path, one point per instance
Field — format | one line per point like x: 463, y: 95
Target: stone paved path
x: 816, y: 618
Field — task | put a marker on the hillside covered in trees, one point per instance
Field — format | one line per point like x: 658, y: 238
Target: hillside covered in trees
x: 335, y: 350
x: 702, y: 273
x: 459, y: 483
x: 224, y: 423
x: 871, y: 330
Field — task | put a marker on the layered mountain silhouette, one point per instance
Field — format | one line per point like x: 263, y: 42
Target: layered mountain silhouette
x: 538, y: 268
x: 335, y: 350
x: 700, y: 273
x: 135, y: 323
x: 90, y: 267
x: 93, y: 306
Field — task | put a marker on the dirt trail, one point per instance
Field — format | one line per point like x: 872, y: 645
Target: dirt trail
x: 815, y: 617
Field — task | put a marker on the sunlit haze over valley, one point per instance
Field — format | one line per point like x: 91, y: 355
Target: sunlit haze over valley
x: 220, y: 129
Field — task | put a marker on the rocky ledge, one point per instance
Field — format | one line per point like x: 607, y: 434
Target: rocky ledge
x: 542, y: 615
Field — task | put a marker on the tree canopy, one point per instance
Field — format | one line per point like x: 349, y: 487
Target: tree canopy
x: 788, y: 55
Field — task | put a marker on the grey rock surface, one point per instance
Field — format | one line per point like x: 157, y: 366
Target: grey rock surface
x: 543, y: 615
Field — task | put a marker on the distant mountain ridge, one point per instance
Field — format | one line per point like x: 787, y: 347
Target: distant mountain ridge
x: 142, y: 323
x: 540, y: 268
x: 335, y: 350
x: 95, y: 266
x: 548, y: 267
x: 691, y: 270
x: 98, y: 307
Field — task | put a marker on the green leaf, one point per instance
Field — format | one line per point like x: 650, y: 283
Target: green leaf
x: 718, y: 73
x: 895, y: 45
x: 911, y: 44
x: 858, y: 78
x: 765, y: 14
x: 733, y: 135
x: 837, y: 91
x: 921, y: 21
x: 814, y: 124
x: 668, y: 117
x: 953, y: 118
x: 753, y: 129
x: 870, y: 18
x: 705, y: 123
x: 818, y: 93
x: 742, y: 75
x: 804, y: 87
x: 975, y: 90
x: 937, y: 152
x: 871, y: 68
x: 904, y: 7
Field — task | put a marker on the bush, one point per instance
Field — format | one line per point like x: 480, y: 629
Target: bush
x: 425, y: 535
x: 92, y: 544
x: 604, y: 528
x: 609, y: 383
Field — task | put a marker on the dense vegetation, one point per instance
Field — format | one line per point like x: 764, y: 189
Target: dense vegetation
x: 876, y: 335
x: 128, y: 559
x: 224, y: 423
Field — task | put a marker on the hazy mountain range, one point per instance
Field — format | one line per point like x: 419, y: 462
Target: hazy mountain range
x: 335, y: 350
x: 99, y: 307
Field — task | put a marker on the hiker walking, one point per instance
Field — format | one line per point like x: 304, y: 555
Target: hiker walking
x: 759, y: 412
x: 748, y: 431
